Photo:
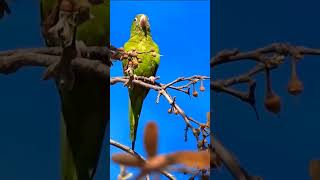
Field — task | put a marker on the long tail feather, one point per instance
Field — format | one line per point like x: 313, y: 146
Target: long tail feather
x: 135, y: 107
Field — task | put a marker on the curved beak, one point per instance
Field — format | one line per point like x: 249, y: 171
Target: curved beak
x: 143, y: 22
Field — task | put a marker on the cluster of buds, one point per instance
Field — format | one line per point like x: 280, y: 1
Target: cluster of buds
x: 204, y: 129
x: 132, y: 58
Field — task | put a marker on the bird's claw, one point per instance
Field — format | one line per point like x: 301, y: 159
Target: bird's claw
x: 51, y: 71
x: 152, y: 79
x: 81, y: 47
x: 129, y: 83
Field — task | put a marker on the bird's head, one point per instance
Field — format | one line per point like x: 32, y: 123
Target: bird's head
x: 140, y: 25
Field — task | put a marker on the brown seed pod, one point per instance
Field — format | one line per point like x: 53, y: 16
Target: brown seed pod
x: 272, y: 103
x: 195, y: 94
x: 170, y: 110
x: 202, y: 88
x: 295, y: 86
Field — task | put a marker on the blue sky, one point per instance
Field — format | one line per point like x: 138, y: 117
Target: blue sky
x: 275, y: 148
x: 181, y: 29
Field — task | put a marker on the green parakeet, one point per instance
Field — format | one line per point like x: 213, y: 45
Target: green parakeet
x: 85, y: 108
x: 146, y: 64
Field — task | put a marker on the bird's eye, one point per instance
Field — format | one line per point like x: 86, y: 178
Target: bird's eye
x: 135, y: 19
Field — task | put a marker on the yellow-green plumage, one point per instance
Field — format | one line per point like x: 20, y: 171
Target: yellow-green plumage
x: 149, y: 58
x: 85, y: 109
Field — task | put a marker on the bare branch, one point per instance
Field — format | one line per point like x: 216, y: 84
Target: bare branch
x: 269, y: 57
x: 162, y: 90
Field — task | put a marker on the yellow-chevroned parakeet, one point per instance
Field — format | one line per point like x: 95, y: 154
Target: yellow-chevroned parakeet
x: 85, y: 108
x: 146, y: 64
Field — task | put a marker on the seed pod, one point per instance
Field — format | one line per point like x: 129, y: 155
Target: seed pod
x: 195, y: 93
x: 170, y: 110
x: 295, y: 86
x: 202, y: 87
x: 272, y: 101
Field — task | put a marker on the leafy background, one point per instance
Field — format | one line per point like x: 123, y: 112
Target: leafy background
x: 181, y: 29
x: 275, y: 148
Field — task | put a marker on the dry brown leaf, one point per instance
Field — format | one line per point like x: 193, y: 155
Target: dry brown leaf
x: 157, y: 163
x: 200, y: 160
x: 151, y: 139
x: 314, y: 169
x: 127, y: 160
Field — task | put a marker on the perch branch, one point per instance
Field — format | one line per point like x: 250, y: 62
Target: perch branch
x: 162, y: 91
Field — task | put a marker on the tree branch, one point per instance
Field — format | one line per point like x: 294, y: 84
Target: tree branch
x: 269, y: 57
x: 162, y: 91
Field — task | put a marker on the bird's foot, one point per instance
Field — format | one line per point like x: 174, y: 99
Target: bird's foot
x: 129, y: 83
x: 81, y: 49
x: 153, y: 79
x: 51, y: 71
